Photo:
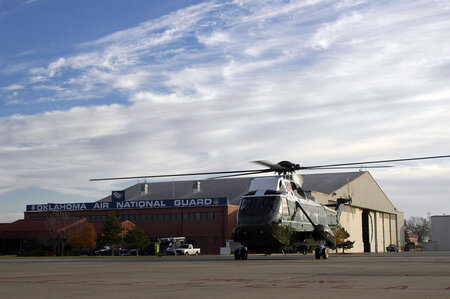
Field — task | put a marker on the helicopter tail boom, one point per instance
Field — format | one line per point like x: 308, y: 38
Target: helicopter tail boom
x: 340, y: 205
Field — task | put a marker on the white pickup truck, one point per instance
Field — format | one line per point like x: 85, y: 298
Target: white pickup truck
x: 188, y: 249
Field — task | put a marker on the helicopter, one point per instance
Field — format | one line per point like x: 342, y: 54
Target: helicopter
x: 275, y: 215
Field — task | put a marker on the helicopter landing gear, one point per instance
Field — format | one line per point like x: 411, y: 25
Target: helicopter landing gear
x: 241, y: 254
x: 321, y: 251
x: 324, y: 253
x: 318, y: 253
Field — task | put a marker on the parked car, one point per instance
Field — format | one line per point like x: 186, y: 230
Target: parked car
x: 102, y: 251
x: 168, y: 251
x: 87, y: 251
x: 392, y: 248
x: 124, y: 251
x: 188, y: 249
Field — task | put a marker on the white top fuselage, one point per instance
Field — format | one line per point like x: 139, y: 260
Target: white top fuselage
x: 290, y: 190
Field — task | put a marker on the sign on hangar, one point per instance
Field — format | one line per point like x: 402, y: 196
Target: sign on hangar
x: 140, y: 204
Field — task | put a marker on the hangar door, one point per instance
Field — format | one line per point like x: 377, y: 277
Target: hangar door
x: 365, y: 230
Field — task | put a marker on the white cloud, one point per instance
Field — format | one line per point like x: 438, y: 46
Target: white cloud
x: 349, y: 3
x: 13, y: 87
x: 214, y: 39
x: 329, y: 33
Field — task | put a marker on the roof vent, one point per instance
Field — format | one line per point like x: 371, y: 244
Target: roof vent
x: 196, y: 186
x: 144, y: 189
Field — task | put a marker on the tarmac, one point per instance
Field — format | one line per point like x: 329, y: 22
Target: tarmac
x: 384, y: 275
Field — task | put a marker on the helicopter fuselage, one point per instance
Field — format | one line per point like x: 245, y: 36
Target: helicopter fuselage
x: 276, y: 216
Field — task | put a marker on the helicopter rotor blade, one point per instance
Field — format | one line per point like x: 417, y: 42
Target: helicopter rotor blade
x: 281, y: 167
x: 350, y: 167
x: 375, y: 162
x: 241, y: 172
x: 272, y: 166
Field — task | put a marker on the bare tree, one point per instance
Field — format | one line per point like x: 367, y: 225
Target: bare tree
x: 419, y: 226
x: 56, y: 223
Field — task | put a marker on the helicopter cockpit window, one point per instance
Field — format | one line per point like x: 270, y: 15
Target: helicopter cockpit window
x: 256, y: 206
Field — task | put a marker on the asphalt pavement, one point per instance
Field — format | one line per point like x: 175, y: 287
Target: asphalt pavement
x: 387, y: 275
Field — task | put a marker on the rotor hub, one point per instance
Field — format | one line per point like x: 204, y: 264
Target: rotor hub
x: 287, y: 166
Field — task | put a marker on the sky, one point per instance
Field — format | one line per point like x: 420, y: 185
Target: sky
x: 109, y: 88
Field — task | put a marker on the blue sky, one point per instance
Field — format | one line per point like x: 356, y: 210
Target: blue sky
x: 118, y: 88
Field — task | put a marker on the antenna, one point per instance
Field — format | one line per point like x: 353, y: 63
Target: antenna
x: 173, y: 188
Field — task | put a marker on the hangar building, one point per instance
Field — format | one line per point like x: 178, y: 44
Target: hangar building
x: 205, y: 211
x: 372, y: 220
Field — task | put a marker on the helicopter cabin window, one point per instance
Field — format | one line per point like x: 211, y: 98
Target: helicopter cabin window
x: 285, y: 206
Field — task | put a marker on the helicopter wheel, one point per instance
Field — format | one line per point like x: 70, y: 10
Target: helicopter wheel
x: 237, y: 254
x: 244, y: 254
x: 324, y: 253
x: 318, y: 253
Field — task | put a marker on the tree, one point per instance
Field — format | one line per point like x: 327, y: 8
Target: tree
x: 82, y: 236
x: 136, y: 238
x: 111, y: 232
x: 347, y: 245
x: 341, y: 236
x: 419, y: 226
x: 56, y: 224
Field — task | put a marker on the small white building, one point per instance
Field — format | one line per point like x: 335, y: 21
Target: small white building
x: 440, y: 233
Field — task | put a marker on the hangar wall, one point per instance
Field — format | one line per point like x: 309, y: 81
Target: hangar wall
x: 440, y: 233
x: 383, y: 229
x: 372, y: 220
